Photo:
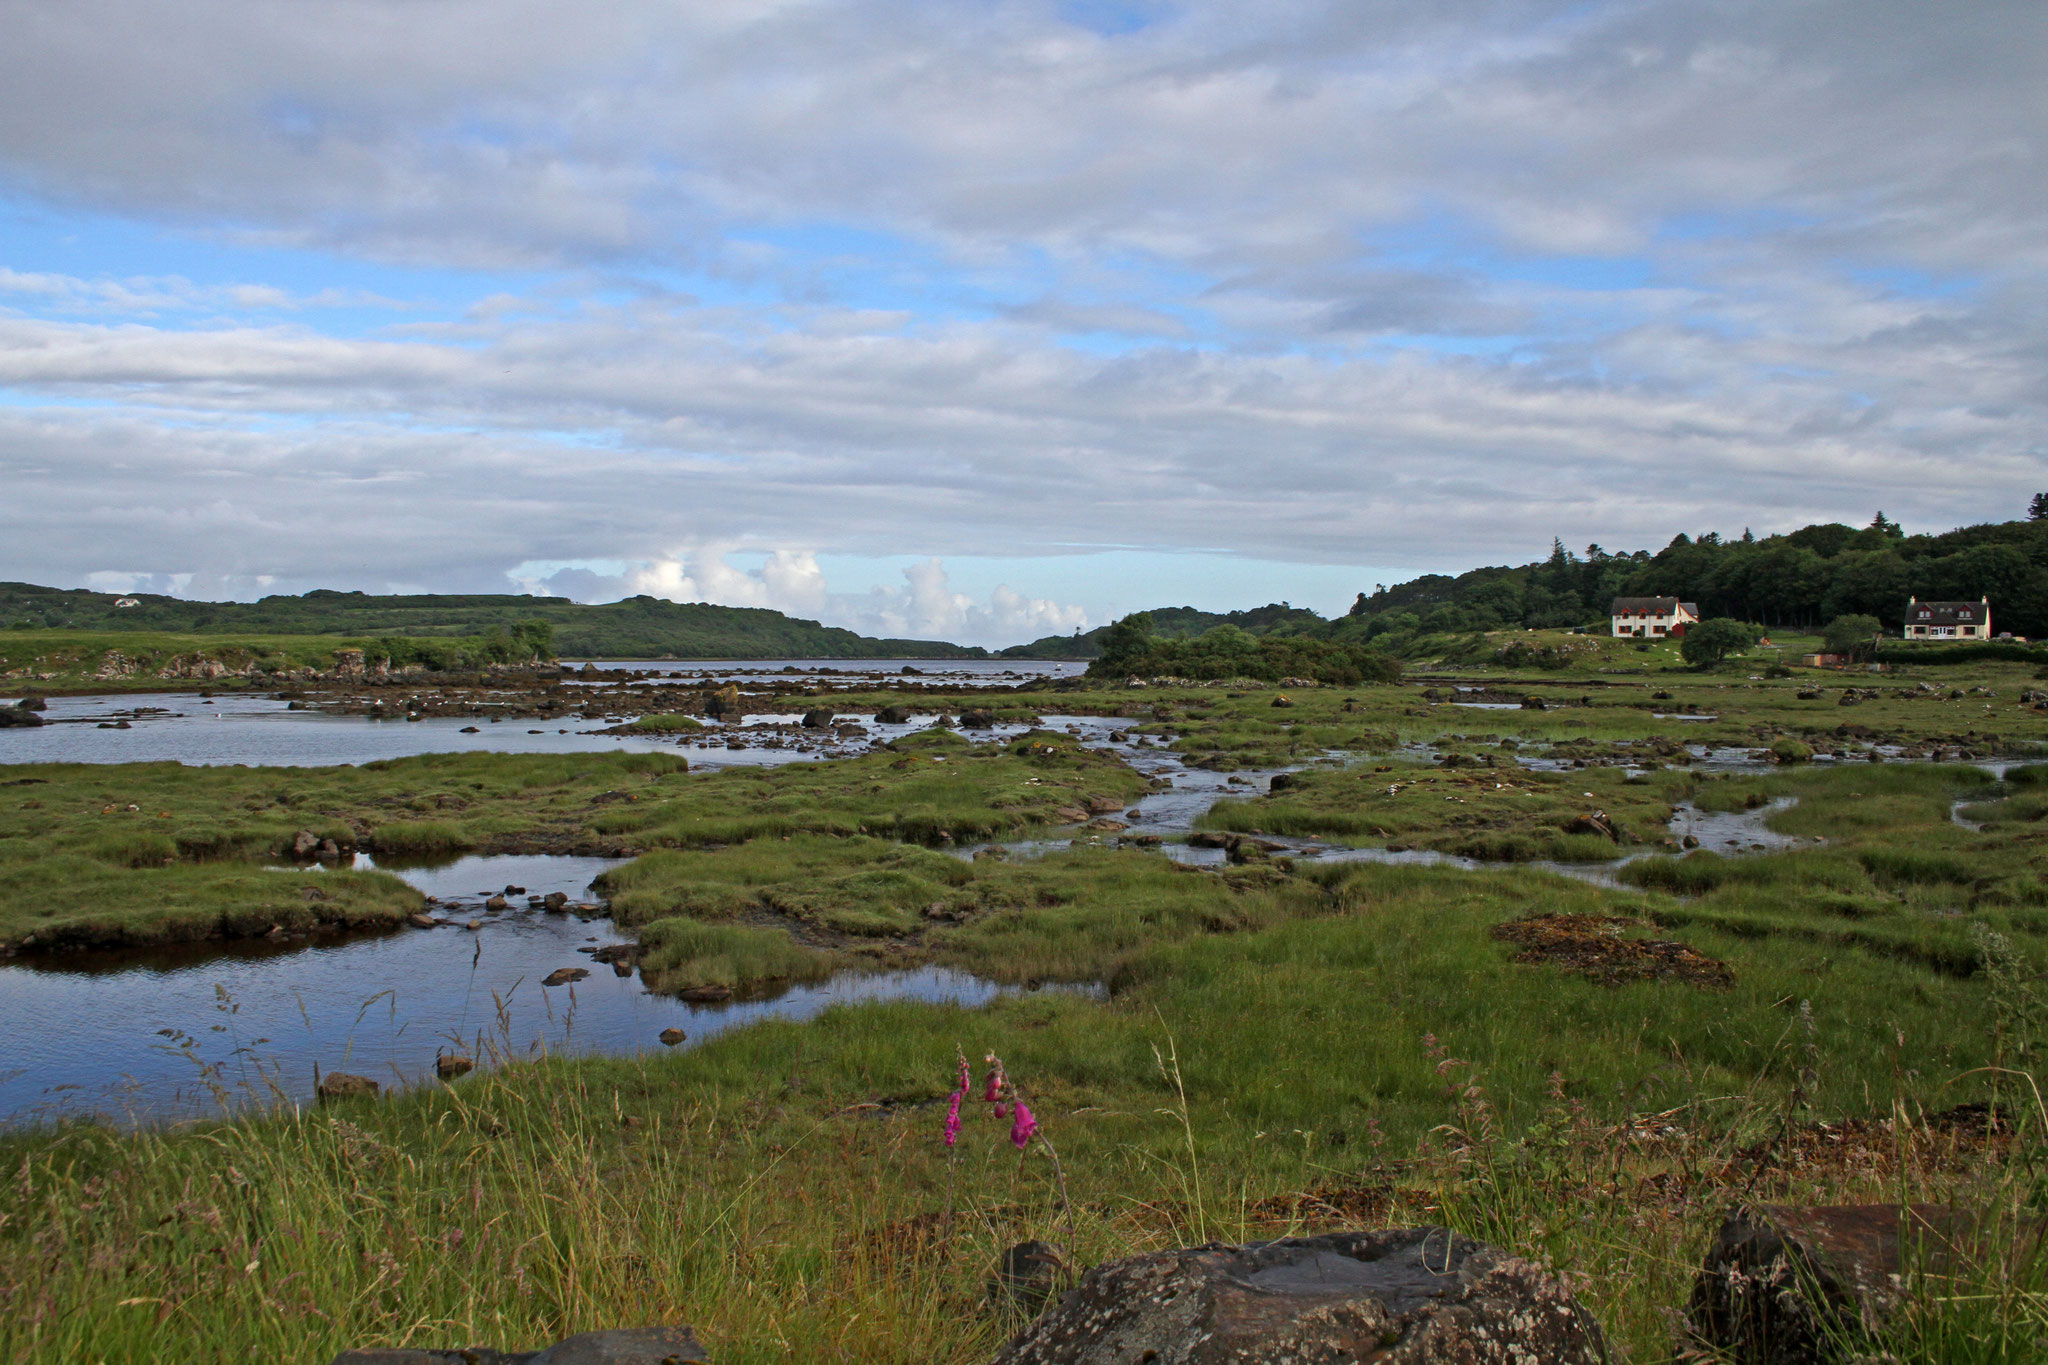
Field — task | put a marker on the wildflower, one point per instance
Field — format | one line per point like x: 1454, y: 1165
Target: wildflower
x: 1024, y: 1126
x: 953, y: 1118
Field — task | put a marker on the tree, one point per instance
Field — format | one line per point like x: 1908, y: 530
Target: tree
x: 2037, y: 510
x: 1711, y: 641
x: 1126, y: 642
x: 1854, y: 636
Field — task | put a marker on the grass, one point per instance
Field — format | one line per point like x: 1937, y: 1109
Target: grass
x: 665, y: 724
x: 1355, y: 1047
x: 1501, y: 812
x: 154, y: 851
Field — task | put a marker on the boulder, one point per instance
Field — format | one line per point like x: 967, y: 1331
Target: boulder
x: 340, y: 1085
x: 671, y: 1036
x: 1533, y: 703
x: 449, y: 1065
x: 704, y: 995
x: 723, y: 704
x: 632, y: 1346
x: 421, y: 921
x: 817, y: 718
x: 562, y: 976
x: 1282, y: 700
x: 38, y: 704
x: 556, y: 901
x: 893, y: 715
x: 1398, y: 1297
x: 1104, y: 805
x: 496, y: 903
x: 1596, y: 823
x: 977, y: 719
x: 1794, y: 1285
x: 305, y: 843
x: 21, y: 715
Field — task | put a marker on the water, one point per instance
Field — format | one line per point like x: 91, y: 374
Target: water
x: 190, y: 1031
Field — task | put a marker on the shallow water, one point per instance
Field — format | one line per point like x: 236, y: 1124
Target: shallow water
x: 194, y: 1030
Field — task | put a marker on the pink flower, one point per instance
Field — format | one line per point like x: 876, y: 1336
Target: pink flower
x: 1024, y: 1127
x: 993, y: 1091
x: 1002, y: 1111
x: 953, y: 1118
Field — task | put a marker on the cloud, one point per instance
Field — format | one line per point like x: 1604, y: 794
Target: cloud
x: 1371, y: 283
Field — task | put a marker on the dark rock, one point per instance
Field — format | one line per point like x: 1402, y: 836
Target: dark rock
x: 817, y: 718
x: 449, y: 1065
x: 340, y: 1085
x: 31, y: 704
x: 556, y: 901
x: 1690, y: 841
x: 471, y: 730
x: 1790, y: 1285
x: 562, y: 976
x: 977, y: 720
x: 20, y: 716
x: 1532, y: 703
x: 304, y: 843
x: 496, y: 903
x: 421, y: 921
x: 1400, y: 1297
x: 893, y: 715
x: 329, y: 851
x: 1027, y: 1276
x: 1203, y: 838
x: 671, y: 1036
x: 723, y: 704
x: 1104, y: 805
x: 1282, y: 700
x: 704, y: 995
x: 1283, y: 781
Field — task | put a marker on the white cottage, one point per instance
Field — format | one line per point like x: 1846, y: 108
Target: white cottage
x: 1653, y: 618
x: 1963, y: 622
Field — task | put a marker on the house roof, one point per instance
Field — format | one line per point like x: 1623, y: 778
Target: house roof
x: 1655, y: 606
x: 1948, y: 613
x: 1690, y: 608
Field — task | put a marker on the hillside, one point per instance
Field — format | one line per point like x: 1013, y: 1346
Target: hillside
x: 1178, y: 623
x: 637, y: 628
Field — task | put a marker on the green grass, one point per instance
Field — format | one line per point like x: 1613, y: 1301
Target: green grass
x: 1501, y: 813
x: 110, y: 853
x: 783, y: 1186
x: 665, y: 724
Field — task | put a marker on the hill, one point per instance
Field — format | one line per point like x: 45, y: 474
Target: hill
x: 636, y: 628
x: 1178, y: 623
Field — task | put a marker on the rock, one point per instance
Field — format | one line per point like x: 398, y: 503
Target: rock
x: 704, y: 995
x: 1283, y: 781
x: 449, y: 1065
x: 893, y: 715
x: 38, y: 704
x: 421, y: 921
x: 556, y: 901
x: 1790, y: 1285
x: 471, y: 730
x: 1104, y: 805
x: 19, y: 716
x: 817, y: 718
x: 1533, y: 703
x: 632, y: 1346
x: 671, y: 1036
x: 1400, y: 1297
x: 496, y: 903
x: 474, y: 924
x: 305, y: 843
x: 1596, y: 823
x: 1027, y: 1276
x: 1202, y: 838
x: 1107, y: 825
x: 562, y: 976
x: 340, y: 1085
x: 329, y: 851
x: 977, y: 719
x: 1690, y: 841
x: 723, y: 704
x: 1282, y: 700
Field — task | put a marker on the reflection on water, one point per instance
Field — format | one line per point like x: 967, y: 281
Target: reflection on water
x: 182, y: 1032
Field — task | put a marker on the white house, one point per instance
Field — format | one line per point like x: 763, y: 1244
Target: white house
x: 1653, y: 618
x: 1962, y: 622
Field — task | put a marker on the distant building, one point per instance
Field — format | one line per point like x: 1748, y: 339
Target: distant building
x: 1652, y: 618
x: 127, y: 602
x: 1958, y: 621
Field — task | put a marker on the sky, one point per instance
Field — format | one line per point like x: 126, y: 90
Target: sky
x: 984, y: 320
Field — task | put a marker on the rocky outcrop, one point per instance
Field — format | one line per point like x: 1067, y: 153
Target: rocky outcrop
x: 893, y: 715
x: 562, y: 976
x: 632, y: 1346
x: 340, y: 1085
x: 20, y: 715
x: 817, y: 718
x: 1399, y: 1297
x: 1789, y: 1285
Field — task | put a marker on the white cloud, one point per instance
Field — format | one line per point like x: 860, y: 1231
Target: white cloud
x: 790, y: 581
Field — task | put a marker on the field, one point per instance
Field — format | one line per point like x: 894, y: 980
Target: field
x: 1591, y: 1073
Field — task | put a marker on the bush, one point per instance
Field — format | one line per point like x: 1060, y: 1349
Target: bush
x: 1709, y: 642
